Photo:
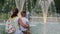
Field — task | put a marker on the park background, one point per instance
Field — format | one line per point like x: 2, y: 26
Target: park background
x: 53, y: 15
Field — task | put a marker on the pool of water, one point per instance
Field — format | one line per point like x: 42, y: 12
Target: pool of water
x: 51, y: 28
x: 2, y: 28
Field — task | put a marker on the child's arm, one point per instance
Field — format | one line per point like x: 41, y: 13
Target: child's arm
x: 22, y: 24
x: 28, y: 24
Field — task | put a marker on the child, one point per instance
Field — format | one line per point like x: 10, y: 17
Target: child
x: 25, y: 21
x: 12, y: 24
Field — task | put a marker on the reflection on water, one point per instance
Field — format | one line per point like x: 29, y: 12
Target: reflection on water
x: 2, y: 28
x: 51, y: 28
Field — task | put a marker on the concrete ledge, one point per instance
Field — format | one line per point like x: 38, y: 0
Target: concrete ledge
x: 49, y: 19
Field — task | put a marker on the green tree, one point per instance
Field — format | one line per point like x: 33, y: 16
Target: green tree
x: 57, y: 4
x: 5, y: 7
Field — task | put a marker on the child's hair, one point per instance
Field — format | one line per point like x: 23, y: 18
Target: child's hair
x: 15, y: 12
x: 23, y: 13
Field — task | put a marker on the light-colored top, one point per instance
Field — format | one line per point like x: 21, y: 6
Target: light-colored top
x: 25, y: 21
x: 16, y: 22
x: 10, y: 23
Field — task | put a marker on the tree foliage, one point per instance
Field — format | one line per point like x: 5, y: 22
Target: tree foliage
x: 57, y: 4
x: 5, y: 7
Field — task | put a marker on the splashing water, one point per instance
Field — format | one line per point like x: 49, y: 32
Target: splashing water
x: 19, y: 5
x: 45, y: 5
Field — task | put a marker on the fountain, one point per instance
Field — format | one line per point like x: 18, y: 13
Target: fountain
x: 19, y: 5
x: 42, y: 25
x: 45, y: 6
